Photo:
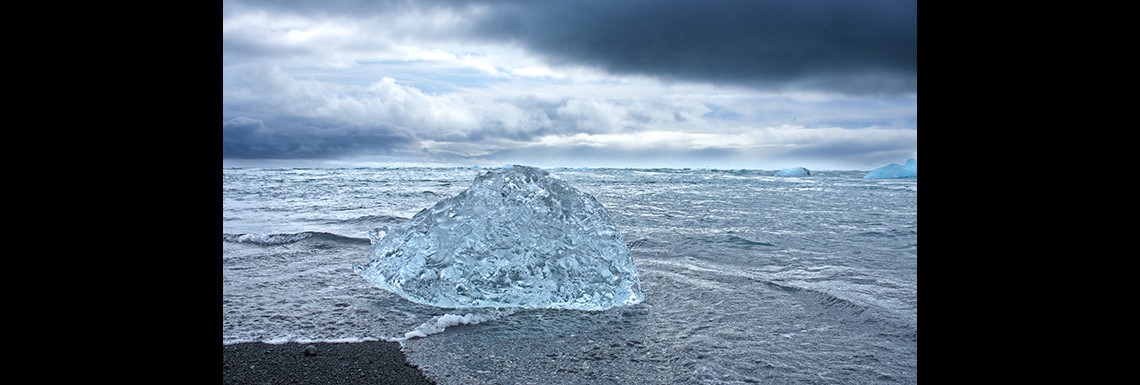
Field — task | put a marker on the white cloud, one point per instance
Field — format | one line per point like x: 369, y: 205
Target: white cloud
x: 267, y: 90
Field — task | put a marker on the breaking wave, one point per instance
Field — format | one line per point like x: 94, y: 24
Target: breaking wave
x: 282, y: 239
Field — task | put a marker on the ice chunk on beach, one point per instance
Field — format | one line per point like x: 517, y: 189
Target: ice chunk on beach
x: 895, y: 170
x: 517, y: 238
x: 794, y: 171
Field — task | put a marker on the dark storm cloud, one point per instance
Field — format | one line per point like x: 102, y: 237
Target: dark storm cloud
x: 307, y: 138
x: 848, y: 46
x: 566, y: 81
x: 864, y: 46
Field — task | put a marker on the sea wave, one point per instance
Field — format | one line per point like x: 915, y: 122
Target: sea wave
x: 840, y: 308
x: 287, y: 238
x: 372, y: 219
x: 637, y: 243
x: 733, y: 239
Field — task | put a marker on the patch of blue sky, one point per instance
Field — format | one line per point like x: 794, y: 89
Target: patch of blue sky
x: 721, y: 112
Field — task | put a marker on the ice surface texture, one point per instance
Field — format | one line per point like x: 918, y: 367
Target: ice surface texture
x: 895, y: 170
x: 794, y: 171
x: 518, y: 237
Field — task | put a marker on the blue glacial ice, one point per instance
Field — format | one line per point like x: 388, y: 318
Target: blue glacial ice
x: 794, y: 171
x: 895, y: 170
x: 519, y: 237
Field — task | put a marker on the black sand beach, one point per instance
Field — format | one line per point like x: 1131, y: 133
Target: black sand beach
x: 371, y: 362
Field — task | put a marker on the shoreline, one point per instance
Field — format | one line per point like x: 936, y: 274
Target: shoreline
x: 345, y: 363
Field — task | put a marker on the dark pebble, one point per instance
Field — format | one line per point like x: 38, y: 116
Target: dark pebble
x: 369, y: 362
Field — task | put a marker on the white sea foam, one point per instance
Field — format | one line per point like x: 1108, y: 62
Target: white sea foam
x: 440, y: 323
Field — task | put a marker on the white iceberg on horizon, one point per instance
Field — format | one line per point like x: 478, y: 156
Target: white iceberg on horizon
x: 895, y: 170
x: 794, y: 171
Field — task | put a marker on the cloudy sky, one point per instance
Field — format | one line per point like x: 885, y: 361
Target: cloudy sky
x: 758, y: 84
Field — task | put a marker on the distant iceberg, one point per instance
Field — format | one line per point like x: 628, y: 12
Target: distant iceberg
x: 794, y: 171
x: 895, y: 170
x: 517, y: 238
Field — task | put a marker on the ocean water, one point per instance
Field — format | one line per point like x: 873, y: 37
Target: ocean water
x: 748, y: 278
